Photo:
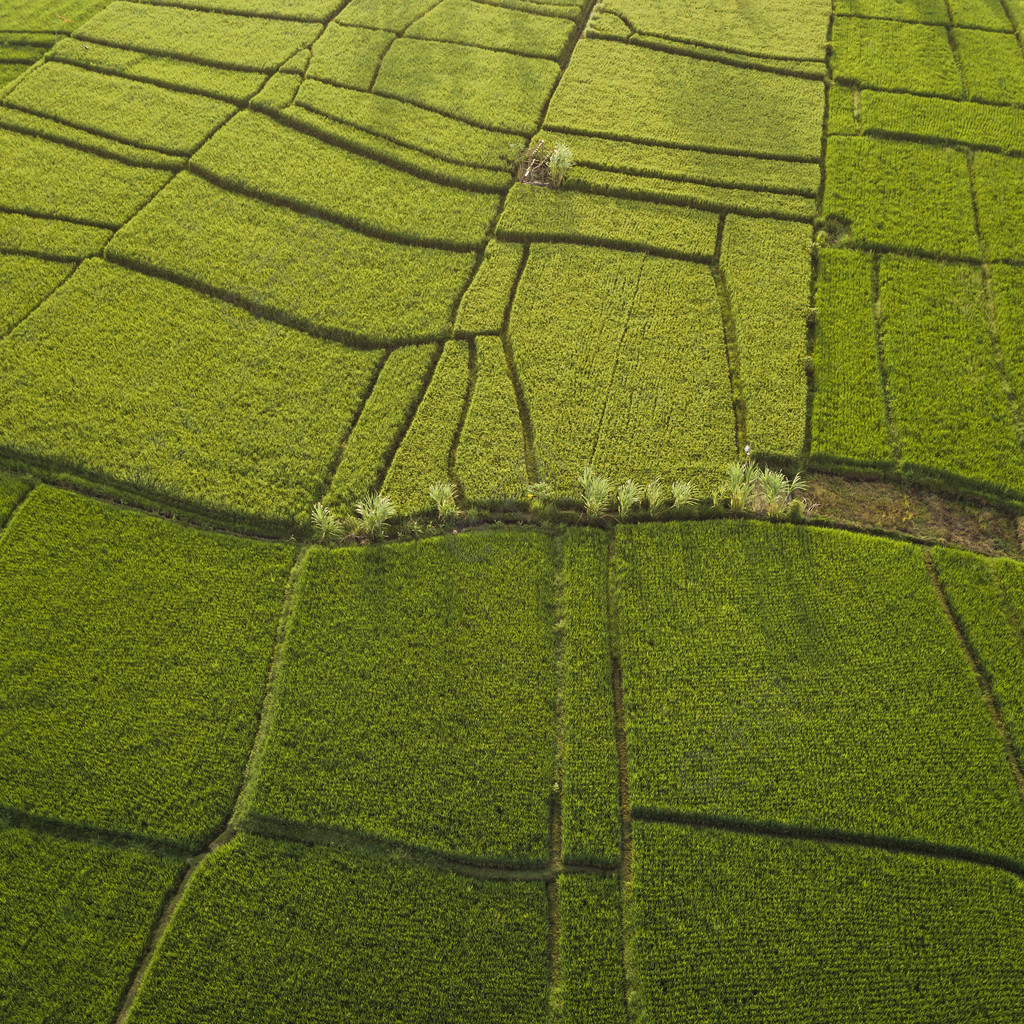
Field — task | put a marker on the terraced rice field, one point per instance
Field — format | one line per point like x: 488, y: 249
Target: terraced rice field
x: 555, y: 768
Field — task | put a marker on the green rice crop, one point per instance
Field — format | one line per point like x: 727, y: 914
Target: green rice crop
x: 445, y: 736
x: 536, y: 213
x: 490, y: 463
x: 12, y: 490
x: 1008, y: 296
x: 849, y: 403
x: 407, y: 125
x: 972, y: 124
x: 138, y: 113
x: 766, y: 267
x: 367, y: 291
x: 57, y: 238
x: 502, y: 91
x: 393, y: 15
x: 195, y: 397
x: 424, y: 456
x: 257, y: 155
x: 942, y: 373
x: 39, y: 176
x: 378, y: 430
x: 135, y: 653
x: 787, y: 28
x: 622, y: 362
x: 590, y: 770
x: 934, y: 12
x: 993, y: 67
x: 687, y: 165
x: 593, y: 980
x: 843, y: 117
x: 987, y: 597
x: 642, y: 95
x: 232, y: 86
x: 810, y: 678
x: 40, y: 15
x: 379, y: 940
x: 300, y: 10
x: 901, y: 195
x: 1000, y: 185
x: 747, y: 928
x: 76, y: 919
x: 497, y: 28
x: 348, y: 55
x: 981, y: 14
x: 894, y: 55
x: 25, y: 282
x: 251, y: 43
x: 486, y: 300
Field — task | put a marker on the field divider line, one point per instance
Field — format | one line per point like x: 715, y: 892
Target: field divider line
x: 883, y: 371
x: 893, y: 845
x: 533, y: 468
x: 730, y: 338
x: 854, y: 83
x: 938, y: 141
x: 928, y: 24
x: 625, y: 870
x: 988, y: 693
x: 992, y: 321
x: 472, y: 371
x: 951, y: 39
x: 1013, y: 25
x: 242, y: 795
x: 232, y: 12
x: 49, y: 295
x: 537, y: 14
x: 395, y: 36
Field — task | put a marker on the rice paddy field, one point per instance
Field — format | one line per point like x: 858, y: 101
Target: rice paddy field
x: 675, y: 758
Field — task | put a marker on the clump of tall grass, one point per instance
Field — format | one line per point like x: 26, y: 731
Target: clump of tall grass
x: 598, y: 493
x: 442, y: 494
x: 326, y: 525
x: 374, y: 513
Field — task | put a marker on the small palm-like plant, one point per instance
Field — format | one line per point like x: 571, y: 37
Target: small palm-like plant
x: 373, y: 513
x: 559, y: 163
x: 657, y: 501
x: 629, y: 495
x: 740, y: 479
x: 598, y: 493
x: 682, y: 494
x: 542, y: 499
x: 773, y: 492
x: 442, y: 494
x: 326, y: 525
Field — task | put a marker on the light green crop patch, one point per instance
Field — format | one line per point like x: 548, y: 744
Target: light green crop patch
x: 951, y: 121
x: 766, y: 268
x: 263, y: 158
x: 231, y: 86
x: 989, y: 14
x: 348, y: 55
x: 407, y: 125
x: 486, y: 301
x: 849, y: 403
x: 993, y: 66
x: 25, y: 281
x: 942, y: 373
x: 76, y: 919
x: 668, y: 163
x: 424, y: 456
x: 183, y: 393
x: 490, y: 462
x: 135, y: 653
x: 12, y: 490
x: 317, y: 274
x: 138, y: 113
x: 641, y: 95
x: 806, y: 678
x: 393, y: 15
x: 1000, y: 185
x: 41, y: 15
x: 622, y: 362
x: 894, y: 55
x: 928, y: 11
x: 987, y: 597
x: 532, y: 213
x: 1008, y: 295
x: 730, y: 927
x: 249, y: 43
x: 300, y: 10
x: 379, y: 940
x: 416, y: 698
x: 590, y: 771
x: 498, y: 28
x: 593, y: 979
x: 47, y: 237
x: 901, y: 195
x: 378, y: 431
x: 790, y: 28
x: 488, y: 89
x: 44, y: 177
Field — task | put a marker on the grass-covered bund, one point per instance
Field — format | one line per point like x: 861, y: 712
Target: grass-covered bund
x: 410, y: 610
